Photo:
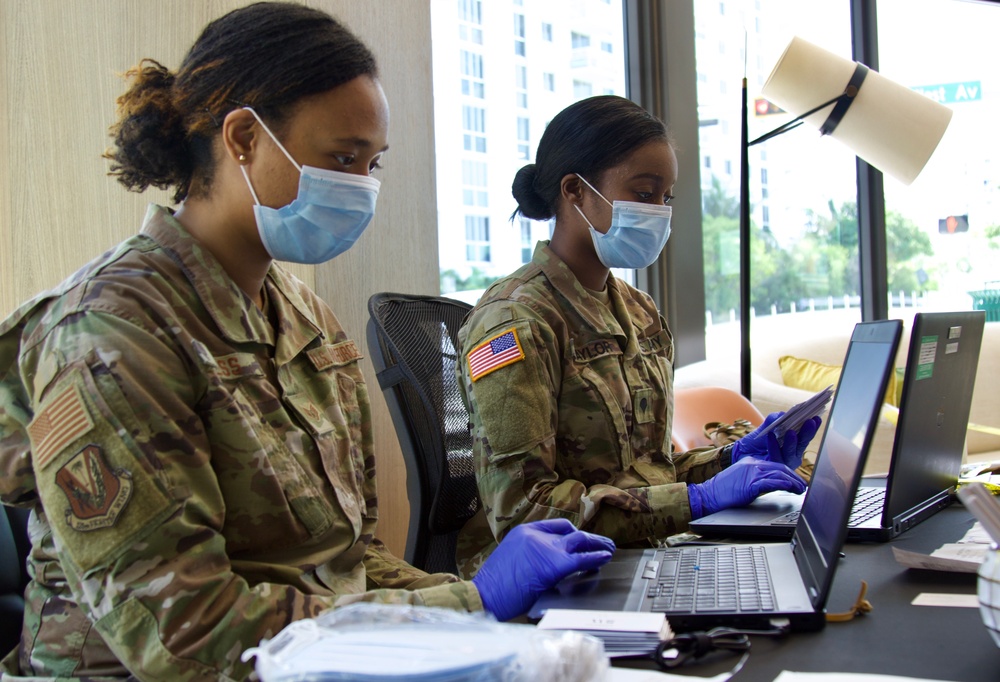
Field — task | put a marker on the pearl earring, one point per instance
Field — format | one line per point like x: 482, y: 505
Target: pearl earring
x: 242, y: 158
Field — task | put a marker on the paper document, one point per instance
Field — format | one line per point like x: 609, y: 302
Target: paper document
x: 947, y: 558
x: 797, y: 415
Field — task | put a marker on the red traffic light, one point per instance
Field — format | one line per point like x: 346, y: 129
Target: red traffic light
x: 763, y: 107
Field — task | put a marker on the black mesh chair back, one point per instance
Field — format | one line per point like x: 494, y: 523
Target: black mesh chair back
x: 413, y: 342
x: 14, y: 548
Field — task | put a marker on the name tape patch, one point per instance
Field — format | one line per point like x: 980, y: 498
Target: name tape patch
x: 501, y: 350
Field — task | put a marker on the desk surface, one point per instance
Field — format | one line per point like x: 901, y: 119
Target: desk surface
x: 896, y: 638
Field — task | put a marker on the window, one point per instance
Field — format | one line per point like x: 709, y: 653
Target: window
x: 472, y: 74
x: 527, y: 244
x: 521, y: 85
x: 470, y: 14
x: 523, y: 138
x: 804, y: 246
x: 580, y: 40
x: 474, y: 125
x: 474, y: 185
x: 519, y: 43
x: 607, y: 47
x: 708, y: 162
x: 926, y: 261
x: 477, y: 242
x: 477, y: 239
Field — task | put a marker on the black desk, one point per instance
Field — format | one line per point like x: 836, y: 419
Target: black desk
x: 896, y: 638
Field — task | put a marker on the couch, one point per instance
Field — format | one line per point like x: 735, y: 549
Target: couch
x: 805, y: 335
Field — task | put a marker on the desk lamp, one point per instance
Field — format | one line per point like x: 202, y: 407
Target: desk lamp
x: 886, y: 124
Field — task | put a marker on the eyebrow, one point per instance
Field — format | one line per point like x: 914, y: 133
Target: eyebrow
x: 360, y: 142
x: 651, y: 176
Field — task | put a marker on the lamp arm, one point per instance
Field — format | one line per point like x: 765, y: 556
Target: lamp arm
x: 795, y: 122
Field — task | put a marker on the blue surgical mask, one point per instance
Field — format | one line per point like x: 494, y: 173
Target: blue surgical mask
x: 324, y: 220
x: 637, y: 235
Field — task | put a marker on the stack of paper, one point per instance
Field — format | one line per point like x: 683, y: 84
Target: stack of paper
x: 623, y: 633
x: 797, y: 415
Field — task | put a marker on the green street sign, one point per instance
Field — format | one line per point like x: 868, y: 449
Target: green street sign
x: 951, y: 93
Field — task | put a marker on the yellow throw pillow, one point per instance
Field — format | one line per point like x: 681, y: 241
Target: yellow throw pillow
x: 815, y: 376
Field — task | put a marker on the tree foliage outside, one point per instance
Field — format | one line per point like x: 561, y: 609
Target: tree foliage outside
x: 823, y: 263
x: 451, y: 281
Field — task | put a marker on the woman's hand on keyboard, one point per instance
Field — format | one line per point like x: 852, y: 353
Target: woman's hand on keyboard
x: 740, y: 484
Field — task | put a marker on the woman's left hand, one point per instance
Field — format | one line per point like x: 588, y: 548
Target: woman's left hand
x: 766, y: 446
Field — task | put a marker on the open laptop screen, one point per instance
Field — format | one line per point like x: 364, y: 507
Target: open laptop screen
x: 823, y: 524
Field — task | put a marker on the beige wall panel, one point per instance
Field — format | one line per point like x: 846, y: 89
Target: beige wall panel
x: 58, y: 208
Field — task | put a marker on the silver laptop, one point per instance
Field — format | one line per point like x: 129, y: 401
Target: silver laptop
x: 753, y: 585
x: 927, y: 450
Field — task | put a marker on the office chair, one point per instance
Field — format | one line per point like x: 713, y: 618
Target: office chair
x: 694, y: 407
x: 14, y: 548
x: 413, y: 342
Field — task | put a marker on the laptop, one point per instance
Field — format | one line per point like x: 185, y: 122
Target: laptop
x: 927, y: 450
x: 767, y: 583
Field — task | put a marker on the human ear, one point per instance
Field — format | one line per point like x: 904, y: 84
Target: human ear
x: 239, y: 134
x: 571, y: 189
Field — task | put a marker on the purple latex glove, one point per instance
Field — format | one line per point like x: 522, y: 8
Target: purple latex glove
x: 789, y: 452
x: 740, y: 484
x: 532, y: 558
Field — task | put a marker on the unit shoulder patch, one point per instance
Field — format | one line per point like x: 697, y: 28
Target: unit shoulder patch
x: 496, y: 352
x: 96, y: 493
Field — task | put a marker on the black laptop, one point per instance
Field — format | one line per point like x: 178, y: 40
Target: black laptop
x: 754, y: 585
x: 926, y: 454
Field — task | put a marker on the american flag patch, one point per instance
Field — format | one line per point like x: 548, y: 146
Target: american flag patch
x: 61, y: 422
x: 500, y: 351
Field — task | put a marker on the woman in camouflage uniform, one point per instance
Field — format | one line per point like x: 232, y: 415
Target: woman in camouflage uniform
x: 186, y: 420
x: 568, y: 373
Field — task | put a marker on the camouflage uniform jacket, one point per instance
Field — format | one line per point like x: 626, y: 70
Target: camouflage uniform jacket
x: 199, y: 476
x: 571, y: 402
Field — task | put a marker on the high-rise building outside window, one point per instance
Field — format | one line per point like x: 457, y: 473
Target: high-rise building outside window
x: 477, y: 240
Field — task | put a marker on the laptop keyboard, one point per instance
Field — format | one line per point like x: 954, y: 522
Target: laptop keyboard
x: 868, y: 504
x: 698, y: 579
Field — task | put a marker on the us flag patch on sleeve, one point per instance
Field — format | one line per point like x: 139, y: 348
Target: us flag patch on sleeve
x: 501, y: 350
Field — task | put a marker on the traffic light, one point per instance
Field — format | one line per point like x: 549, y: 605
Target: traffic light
x: 762, y: 107
x: 953, y: 224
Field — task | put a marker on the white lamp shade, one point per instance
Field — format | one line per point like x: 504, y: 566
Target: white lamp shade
x: 888, y: 125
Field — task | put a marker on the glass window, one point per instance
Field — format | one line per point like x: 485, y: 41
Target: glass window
x: 477, y: 238
x: 934, y: 262
x: 803, y: 189
x: 607, y: 47
x: 470, y: 20
x: 474, y: 185
x: 477, y: 241
x: 472, y: 74
x: 582, y: 89
x: 527, y: 243
x: 519, y: 43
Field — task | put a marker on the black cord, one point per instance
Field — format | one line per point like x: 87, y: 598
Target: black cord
x: 682, y: 648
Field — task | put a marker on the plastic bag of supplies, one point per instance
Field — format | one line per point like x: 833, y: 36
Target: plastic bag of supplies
x: 368, y: 642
